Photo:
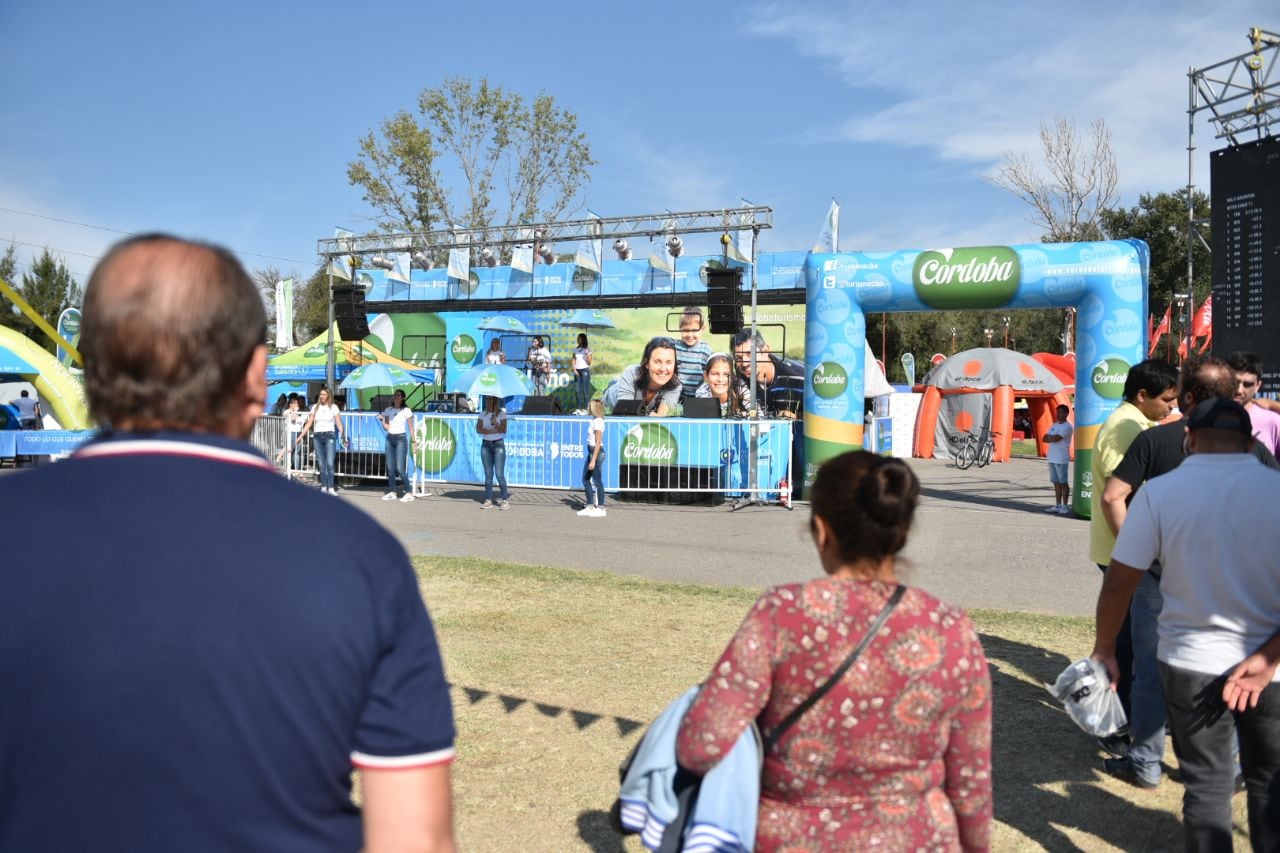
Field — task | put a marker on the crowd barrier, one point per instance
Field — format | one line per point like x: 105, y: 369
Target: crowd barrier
x: 655, y: 455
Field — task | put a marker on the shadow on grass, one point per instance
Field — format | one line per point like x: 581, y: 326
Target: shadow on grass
x: 1035, y: 746
x: 597, y: 833
x: 581, y: 719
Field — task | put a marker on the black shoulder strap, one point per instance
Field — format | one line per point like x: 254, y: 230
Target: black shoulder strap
x: 772, y: 737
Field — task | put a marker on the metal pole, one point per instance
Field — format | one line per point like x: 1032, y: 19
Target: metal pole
x: 329, y: 358
x: 1191, y: 165
x: 753, y: 472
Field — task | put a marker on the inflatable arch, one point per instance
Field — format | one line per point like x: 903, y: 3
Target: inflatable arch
x: 60, y: 392
x: 1106, y: 282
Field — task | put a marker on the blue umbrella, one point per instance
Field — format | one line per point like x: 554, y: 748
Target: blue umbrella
x: 492, y: 380
x: 502, y: 323
x: 588, y: 318
x: 11, y: 362
x: 379, y: 375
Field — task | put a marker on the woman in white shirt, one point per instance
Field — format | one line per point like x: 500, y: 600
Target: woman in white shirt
x: 294, y: 418
x: 539, y: 361
x: 593, y: 469
x: 495, y: 355
x: 582, y: 372
x: 325, y: 425
x: 397, y: 420
x: 492, y: 426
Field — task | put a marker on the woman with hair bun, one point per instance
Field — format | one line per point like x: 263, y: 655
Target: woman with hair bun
x: 897, y: 754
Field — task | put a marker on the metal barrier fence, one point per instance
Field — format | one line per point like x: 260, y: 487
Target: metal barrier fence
x: 751, y: 459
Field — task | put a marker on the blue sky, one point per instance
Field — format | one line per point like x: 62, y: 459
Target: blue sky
x: 235, y: 122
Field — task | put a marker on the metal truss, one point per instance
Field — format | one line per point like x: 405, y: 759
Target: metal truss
x: 1242, y: 93
x: 657, y: 225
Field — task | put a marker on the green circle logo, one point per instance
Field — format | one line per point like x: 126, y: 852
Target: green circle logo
x: 434, y: 445
x: 829, y: 380
x: 463, y: 349
x: 976, y: 277
x: 650, y: 444
x: 317, y: 351
x: 1108, y: 377
x: 584, y: 279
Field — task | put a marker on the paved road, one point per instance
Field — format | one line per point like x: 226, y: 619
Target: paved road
x: 981, y: 538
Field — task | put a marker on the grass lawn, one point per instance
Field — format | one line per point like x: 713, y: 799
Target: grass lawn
x: 555, y: 672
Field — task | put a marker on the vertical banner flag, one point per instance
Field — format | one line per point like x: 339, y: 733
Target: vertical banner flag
x: 1161, y: 330
x: 284, y: 314
x: 69, y: 329
x: 460, y: 258
x: 742, y: 244
x: 340, y: 267
x: 829, y: 236
x: 909, y: 368
x: 400, y: 268
x: 590, y: 253
x: 522, y: 254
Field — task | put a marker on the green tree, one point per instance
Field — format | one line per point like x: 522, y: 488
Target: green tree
x: 1161, y: 221
x: 8, y: 274
x: 475, y: 156
x: 311, y: 305
x: 49, y: 289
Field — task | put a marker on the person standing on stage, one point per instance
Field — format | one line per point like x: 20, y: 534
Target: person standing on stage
x: 539, y: 361
x: 582, y: 373
x: 170, y: 683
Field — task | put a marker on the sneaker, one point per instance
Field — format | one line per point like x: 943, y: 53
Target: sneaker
x: 1116, y: 745
x: 1064, y: 510
x: 1054, y: 508
x: 599, y: 512
x: 407, y: 499
x: 502, y: 504
x: 1122, y: 768
x: 487, y: 505
x: 389, y: 496
x: 587, y: 510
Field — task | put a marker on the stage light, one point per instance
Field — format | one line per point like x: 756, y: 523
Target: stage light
x: 421, y: 260
x: 544, y: 252
x: 624, y: 251
x: 488, y: 258
x: 381, y: 262
x: 675, y: 246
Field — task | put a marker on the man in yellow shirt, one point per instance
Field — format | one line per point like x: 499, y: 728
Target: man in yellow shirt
x: 1150, y: 391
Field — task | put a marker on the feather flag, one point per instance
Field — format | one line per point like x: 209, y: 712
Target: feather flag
x: 522, y: 255
x: 1161, y: 330
x: 590, y: 254
x: 829, y: 236
x: 284, y: 314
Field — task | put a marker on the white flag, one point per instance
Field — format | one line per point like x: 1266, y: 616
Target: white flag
x: 829, y: 236
x: 400, y: 270
x: 522, y: 255
x: 742, y: 244
x: 340, y: 267
x: 460, y: 258
x: 284, y: 314
x: 590, y: 253
x: 658, y: 257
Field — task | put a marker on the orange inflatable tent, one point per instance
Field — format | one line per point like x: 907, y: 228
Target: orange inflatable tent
x: 973, y: 391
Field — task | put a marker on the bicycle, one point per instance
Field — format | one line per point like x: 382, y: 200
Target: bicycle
x: 967, y: 452
x: 987, y: 450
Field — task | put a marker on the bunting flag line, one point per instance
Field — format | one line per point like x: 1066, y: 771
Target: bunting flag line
x: 400, y: 269
x: 590, y: 253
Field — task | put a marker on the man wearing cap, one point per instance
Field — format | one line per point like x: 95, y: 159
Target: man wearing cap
x: 1155, y: 452
x: 169, y: 683
x: 1219, y: 629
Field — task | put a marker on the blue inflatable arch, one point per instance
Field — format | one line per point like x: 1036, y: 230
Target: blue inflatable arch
x: 1106, y: 282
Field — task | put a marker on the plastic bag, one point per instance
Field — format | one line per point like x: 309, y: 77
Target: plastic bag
x: 1085, y: 691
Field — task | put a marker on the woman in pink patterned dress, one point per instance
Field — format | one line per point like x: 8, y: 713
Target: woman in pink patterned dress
x: 897, y: 756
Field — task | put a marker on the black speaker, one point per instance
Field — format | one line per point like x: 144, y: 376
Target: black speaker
x: 724, y: 300
x: 541, y: 405
x: 349, y: 313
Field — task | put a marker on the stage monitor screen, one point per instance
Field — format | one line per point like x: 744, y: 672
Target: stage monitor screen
x: 1245, y: 182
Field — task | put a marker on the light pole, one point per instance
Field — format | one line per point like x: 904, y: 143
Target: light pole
x: 988, y: 333
x: 953, y: 340
x: 1006, y: 332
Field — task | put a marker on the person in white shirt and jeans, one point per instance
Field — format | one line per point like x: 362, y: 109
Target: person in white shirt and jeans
x: 397, y: 420
x: 1059, y: 440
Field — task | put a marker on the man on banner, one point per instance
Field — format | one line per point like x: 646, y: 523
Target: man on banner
x: 171, y: 683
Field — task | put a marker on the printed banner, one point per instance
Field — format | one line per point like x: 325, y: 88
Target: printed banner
x: 69, y: 329
x: 829, y: 237
x: 460, y: 258
x: 284, y: 314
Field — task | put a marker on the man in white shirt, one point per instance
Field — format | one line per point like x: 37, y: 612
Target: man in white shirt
x: 1214, y: 525
x: 29, y: 413
x: 1059, y: 440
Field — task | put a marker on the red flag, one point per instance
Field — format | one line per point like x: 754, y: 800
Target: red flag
x: 1203, y: 323
x: 1161, y: 330
x: 1151, y: 326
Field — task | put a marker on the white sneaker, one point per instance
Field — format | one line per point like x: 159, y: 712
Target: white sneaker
x: 587, y: 510
x: 598, y: 512
x: 1054, y: 508
x: 502, y: 504
x: 389, y: 496
x: 407, y: 499
x: 487, y: 505
x: 1064, y: 510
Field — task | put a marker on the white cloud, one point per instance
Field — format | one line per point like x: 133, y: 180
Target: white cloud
x: 970, y: 81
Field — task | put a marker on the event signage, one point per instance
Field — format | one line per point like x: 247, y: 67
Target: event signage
x: 650, y: 444
x: 829, y: 380
x: 1108, y: 377
x: 979, y: 277
x: 434, y: 445
x: 463, y: 349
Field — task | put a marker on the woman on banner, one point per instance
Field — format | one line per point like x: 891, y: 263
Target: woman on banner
x: 653, y: 381
x: 896, y: 755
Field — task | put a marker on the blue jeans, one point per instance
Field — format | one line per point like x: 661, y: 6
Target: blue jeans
x: 582, y: 386
x: 1204, y: 732
x: 397, y: 462
x: 326, y: 448
x: 493, y: 456
x: 1146, y: 698
x: 296, y: 450
x: 593, y: 479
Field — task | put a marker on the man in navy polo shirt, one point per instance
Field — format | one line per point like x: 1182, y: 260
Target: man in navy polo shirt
x: 172, y: 680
